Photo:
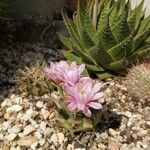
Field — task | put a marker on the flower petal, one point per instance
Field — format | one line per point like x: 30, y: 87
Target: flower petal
x: 98, y: 96
x: 87, y: 112
x: 95, y: 105
x: 81, y: 68
x: 72, y: 106
x: 97, y: 87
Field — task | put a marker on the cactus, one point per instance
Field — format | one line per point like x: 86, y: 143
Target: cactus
x: 34, y: 81
x: 138, y: 81
x: 107, y: 40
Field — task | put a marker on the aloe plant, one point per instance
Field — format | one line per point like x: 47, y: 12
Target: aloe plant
x: 109, y: 39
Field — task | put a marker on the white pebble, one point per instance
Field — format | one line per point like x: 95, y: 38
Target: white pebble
x: 34, y: 145
x: 54, y: 138
x: 39, y: 104
x: 112, y: 132
x: 45, y: 114
x: 6, y: 125
x: 1, y: 136
x: 38, y: 135
x: 14, y: 129
x: 14, y: 108
x: 47, y: 132
x: 28, y: 129
x: 61, y: 137
x: 128, y: 114
x: 11, y: 136
x: 43, y: 126
x: 42, y: 142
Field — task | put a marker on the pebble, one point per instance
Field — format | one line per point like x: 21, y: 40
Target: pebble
x: 14, y: 108
x: 14, y: 129
x: 112, y: 132
x: 10, y: 137
x: 61, y: 137
x: 47, y: 132
x: 28, y: 129
x: 34, y: 145
x: 54, y: 138
x: 43, y: 126
x: 39, y: 104
x: 42, y: 142
x: 45, y: 114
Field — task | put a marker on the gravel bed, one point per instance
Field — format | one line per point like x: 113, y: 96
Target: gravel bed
x: 28, y: 122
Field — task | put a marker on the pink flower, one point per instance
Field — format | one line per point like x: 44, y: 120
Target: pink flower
x: 61, y: 72
x: 83, y: 96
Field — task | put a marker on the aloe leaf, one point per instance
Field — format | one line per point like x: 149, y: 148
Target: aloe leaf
x: 72, y: 57
x: 99, y: 54
x: 123, y: 49
x: 114, y: 14
x: 101, y: 21
x: 122, y: 30
x: 66, y: 41
x: 104, y: 75
x: 143, y: 54
x: 117, y: 65
x: 107, y: 38
x: 139, y: 13
x: 145, y: 25
x: 140, y: 39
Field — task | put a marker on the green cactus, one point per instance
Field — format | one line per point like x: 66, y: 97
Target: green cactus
x: 34, y: 81
x: 120, y: 38
x: 138, y: 81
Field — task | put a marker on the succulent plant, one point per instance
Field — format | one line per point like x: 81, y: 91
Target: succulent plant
x: 107, y: 36
x: 138, y: 81
x: 34, y: 81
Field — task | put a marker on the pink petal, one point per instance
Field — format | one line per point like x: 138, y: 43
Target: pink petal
x: 98, y: 95
x: 81, y: 106
x: 95, y: 105
x: 72, y: 106
x: 87, y: 112
x: 97, y: 87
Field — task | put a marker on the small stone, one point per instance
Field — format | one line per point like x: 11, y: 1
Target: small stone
x: 52, y: 115
x: 128, y: 114
x: 27, y: 141
x: 4, y: 103
x: 112, y: 132
x: 28, y: 129
x: 1, y: 136
x: 61, y: 137
x: 38, y: 135
x: 47, y: 132
x: 14, y: 129
x: 34, y: 145
x: 113, y: 146
x: 45, y: 114
x: 6, y: 125
x: 54, y: 138
x: 43, y: 126
x: 42, y: 142
x: 14, y: 108
x: 11, y: 137
x: 39, y: 104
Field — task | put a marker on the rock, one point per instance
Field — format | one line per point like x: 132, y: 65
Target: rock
x: 14, y: 108
x: 34, y: 145
x: 43, y: 126
x: 47, y: 132
x: 6, y: 125
x: 52, y: 115
x: 38, y: 135
x: 128, y: 114
x: 112, y: 132
x: 61, y: 137
x: 14, y: 129
x: 39, y: 104
x: 27, y: 141
x: 113, y: 146
x: 10, y: 137
x: 54, y: 138
x: 42, y: 142
x: 28, y: 129
x: 1, y: 136
x: 45, y: 114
